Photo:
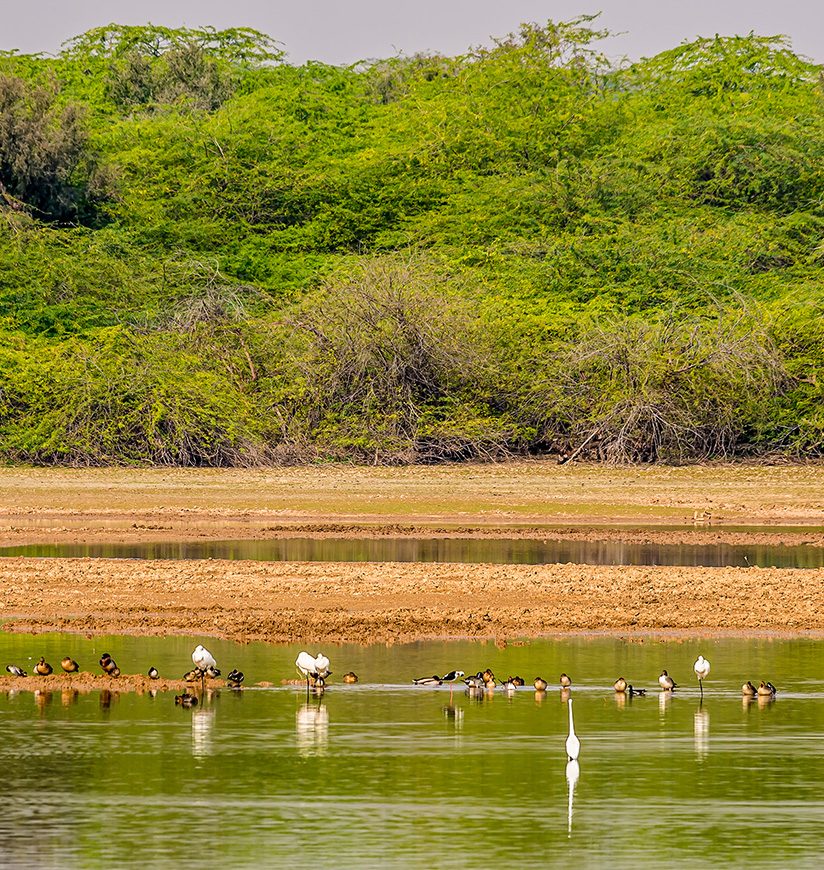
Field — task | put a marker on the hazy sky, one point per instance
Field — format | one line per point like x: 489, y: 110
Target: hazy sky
x: 342, y: 31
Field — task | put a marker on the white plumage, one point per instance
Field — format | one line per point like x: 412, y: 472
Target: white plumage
x: 573, y: 744
x: 701, y: 668
x: 312, y: 666
x: 202, y: 658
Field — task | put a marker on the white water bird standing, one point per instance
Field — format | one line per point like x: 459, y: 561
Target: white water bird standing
x: 203, y: 660
x: 701, y: 668
x: 573, y: 744
x: 312, y: 666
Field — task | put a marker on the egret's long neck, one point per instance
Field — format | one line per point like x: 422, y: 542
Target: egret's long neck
x: 571, y: 724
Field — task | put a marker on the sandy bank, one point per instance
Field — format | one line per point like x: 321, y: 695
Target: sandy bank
x: 387, y: 602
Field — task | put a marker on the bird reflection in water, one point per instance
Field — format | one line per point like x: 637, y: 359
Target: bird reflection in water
x: 540, y: 696
x: 42, y: 700
x: 664, y: 701
x: 565, y: 693
x: 702, y: 733
x: 573, y: 771
x: 203, y: 722
x: 107, y: 698
x: 68, y: 697
x: 312, y: 728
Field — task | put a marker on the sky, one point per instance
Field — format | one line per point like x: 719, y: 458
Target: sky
x: 344, y: 31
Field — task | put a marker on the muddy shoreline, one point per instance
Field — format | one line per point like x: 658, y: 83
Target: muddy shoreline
x: 398, y: 603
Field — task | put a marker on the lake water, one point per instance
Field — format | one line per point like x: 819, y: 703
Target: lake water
x: 385, y: 774
x: 477, y: 550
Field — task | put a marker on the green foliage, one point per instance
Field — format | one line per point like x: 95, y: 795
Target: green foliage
x: 524, y: 248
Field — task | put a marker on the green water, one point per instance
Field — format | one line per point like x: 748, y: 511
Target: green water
x: 385, y: 774
x: 507, y: 551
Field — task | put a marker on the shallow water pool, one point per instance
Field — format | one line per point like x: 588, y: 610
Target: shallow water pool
x: 385, y: 774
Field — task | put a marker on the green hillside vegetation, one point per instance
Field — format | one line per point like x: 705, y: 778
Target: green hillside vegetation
x: 209, y: 256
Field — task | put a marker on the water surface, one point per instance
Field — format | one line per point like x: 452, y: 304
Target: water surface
x: 384, y: 774
x: 477, y: 550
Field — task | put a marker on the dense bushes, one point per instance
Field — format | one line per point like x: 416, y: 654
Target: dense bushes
x: 523, y: 249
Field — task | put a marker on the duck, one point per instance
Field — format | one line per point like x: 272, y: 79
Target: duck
x: 474, y: 681
x: 109, y: 666
x: 488, y: 676
x: 319, y: 685
x: 69, y: 665
x: 509, y: 685
x: 633, y: 692
x: 666, y: 682
x: 565, y: 681
x: 212, y: 672
x: 519, y: 681
x: 434, y: 680
x: 235, y: 678
x: 350, y: 677
x: 153, y: 673
x: 766, y: 690
x: 749, y: 689
x: 540, y: 684
x: 620, y: 685
x: 16, y: 671
x: 192, y: 676
x: 186, y: 700
x: 43, y: 667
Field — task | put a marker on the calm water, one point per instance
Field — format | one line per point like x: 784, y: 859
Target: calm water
x: 489, y: 550
x: 384, y: 774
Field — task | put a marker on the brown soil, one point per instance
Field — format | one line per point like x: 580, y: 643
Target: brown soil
x: 88, y: 682
x: 389, y: 602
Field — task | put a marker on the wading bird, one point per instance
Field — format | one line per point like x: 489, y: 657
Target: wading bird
x: 15, y: 671
x: 666, y: 682
x: 153, y: 673
x: 204, y: 661
x: 350, y: 677
x: 44, y: 668
x: 573, y: 744
x: 312, y: 666
x: 620, y: 685
x: 69, y: 665
x: 565, y: 681
x: 701, y: 668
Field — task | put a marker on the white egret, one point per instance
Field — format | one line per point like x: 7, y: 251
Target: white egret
x: 573, y: 744
x: 666, y: 682
x: 701, y: 668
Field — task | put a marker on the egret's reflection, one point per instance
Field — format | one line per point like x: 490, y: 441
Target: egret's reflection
x: 572, y: 773
x: 203, y: 722
x: 312, y: 728
x: 702, y: 733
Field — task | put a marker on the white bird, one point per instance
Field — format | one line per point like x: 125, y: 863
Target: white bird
x: 312, y: 666
x: 573, y: 744
x: 701, y: 668
x: 203, y: 659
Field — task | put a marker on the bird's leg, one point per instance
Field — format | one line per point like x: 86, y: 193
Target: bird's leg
x: 203, y: 683
x: 701, y: 687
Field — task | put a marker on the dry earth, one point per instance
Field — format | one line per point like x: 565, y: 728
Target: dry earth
x: 400, y: 602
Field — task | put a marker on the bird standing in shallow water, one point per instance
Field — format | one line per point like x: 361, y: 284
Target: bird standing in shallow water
x: 69, y: 665
x: 43, y: 667
x: 666, y: 682
x: 701, y: 668
x: 573, y: 744
x: 565, y: 681
x: 205, y: 662
x: 312, y: 666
